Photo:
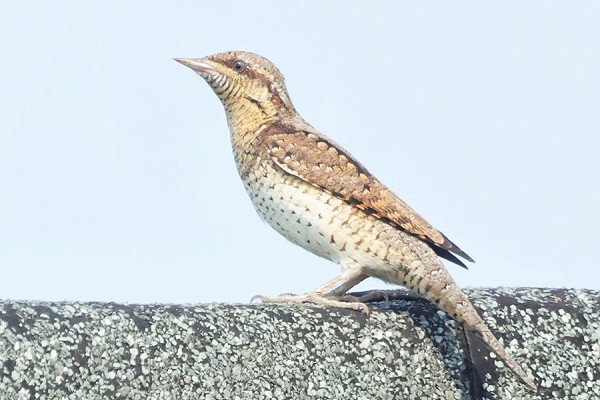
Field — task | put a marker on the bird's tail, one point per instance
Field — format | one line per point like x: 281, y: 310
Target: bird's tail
x: 436, y: 285
x: 481, y: 330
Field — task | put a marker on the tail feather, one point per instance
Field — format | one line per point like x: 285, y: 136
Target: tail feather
x: 490, y: 340
x: 434, y: 283
x: 461, y: 309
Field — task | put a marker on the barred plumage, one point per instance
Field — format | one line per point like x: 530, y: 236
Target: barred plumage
x: 317, y: 195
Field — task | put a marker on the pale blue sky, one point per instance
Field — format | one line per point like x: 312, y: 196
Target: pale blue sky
x: 117, y: 181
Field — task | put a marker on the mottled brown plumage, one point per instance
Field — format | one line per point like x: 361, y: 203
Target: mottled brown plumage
x: 318, y: 196
x: 321, y: 162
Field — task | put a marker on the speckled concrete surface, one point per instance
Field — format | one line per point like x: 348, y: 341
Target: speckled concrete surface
x: 406, y: 349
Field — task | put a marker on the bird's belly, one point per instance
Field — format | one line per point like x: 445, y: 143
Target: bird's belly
x: 314, y: 219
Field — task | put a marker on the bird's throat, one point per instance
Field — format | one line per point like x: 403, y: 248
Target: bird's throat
x: 245, y: 117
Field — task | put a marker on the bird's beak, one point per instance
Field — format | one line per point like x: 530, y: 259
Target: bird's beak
x: 197, y: 64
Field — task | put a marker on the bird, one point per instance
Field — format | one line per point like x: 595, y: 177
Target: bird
x: 317, y: 195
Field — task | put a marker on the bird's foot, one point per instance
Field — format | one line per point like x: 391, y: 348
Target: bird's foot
x: 367, y: 297
x: 314, y: 298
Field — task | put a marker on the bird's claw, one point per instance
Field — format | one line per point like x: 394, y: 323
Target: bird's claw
x: 260, y: 297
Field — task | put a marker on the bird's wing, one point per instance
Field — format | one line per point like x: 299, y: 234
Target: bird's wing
x: 319, y: 161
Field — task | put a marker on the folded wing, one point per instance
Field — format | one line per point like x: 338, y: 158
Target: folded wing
x: 319, y: 161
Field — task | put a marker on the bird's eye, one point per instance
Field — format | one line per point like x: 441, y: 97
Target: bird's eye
x: 239, y: 66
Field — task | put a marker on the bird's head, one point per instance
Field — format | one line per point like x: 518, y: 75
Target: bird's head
x: 241, y: 78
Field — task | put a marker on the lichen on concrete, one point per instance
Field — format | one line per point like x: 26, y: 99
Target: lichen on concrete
x: 405, y: 349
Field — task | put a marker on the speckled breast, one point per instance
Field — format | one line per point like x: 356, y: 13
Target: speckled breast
x: 312, y: 218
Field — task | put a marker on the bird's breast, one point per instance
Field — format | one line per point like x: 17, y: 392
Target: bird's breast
x: 310, y: 217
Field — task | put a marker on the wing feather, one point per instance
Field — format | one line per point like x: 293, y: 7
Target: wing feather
x: 319, y: 161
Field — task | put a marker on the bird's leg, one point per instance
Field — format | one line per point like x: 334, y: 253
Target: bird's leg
x: 368, y: 297
x: 371, y: 296
x: 328, y: 295
x: 342, y: 289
